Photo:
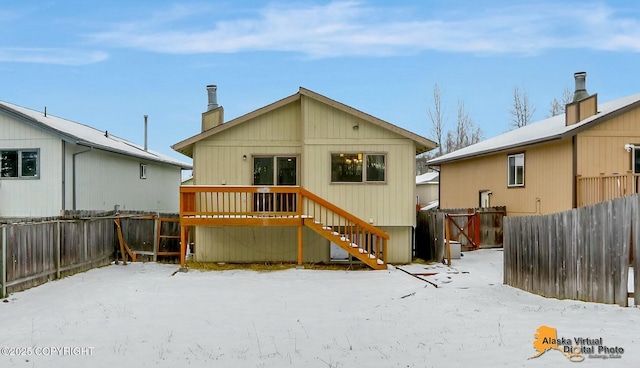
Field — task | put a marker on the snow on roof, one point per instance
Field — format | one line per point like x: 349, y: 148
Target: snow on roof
x: 428, y: 178
x: 431, y: 205
x: 87, y: 136
x: 541, y: 131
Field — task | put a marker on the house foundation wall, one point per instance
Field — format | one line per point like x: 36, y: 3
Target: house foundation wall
x: 240, y: 244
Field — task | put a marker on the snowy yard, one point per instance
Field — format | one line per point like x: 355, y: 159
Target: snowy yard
x: 141, y: 316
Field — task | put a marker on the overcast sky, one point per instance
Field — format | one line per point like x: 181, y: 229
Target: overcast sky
x: 108, y: 63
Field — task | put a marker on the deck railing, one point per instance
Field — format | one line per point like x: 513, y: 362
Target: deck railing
x: 323, y: 214
x: 237, y: 205
x: 282, y: 206
x: 596, y: 189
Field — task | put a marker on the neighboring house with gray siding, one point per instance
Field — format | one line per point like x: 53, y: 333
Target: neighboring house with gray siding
x: 49, y: 164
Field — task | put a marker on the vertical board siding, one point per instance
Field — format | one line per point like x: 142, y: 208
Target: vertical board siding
x: 581, y: 254
x: 31, y: 197
x: 329, y: 130
x: 388, y: 204
x: 220, y: 159
x: 258, y: 244
x: 399, y: 244
x: 548, y: 188
x: 105, y: 179
x: 600, y: 148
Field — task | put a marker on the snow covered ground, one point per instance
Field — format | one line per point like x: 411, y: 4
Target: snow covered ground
x: 141, y: 316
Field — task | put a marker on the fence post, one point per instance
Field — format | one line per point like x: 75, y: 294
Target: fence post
x: 579, y: 199
x: 447, y: 232
x: 156, y: 236
x: 57, y: 249
x: 602, y: 188
x: 3, y: 277
x: 477, y: 224
x: 85, y: 242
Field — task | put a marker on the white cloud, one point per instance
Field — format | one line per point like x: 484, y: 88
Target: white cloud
x: 348, y: 28
x: 51, y: 56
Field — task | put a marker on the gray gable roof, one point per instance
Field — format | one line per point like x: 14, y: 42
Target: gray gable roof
x: 541, y: 131
x: 85, y: 135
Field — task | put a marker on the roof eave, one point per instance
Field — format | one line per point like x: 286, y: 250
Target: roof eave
x: 436, y: 162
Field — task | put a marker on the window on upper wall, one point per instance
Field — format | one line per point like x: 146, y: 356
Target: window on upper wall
x: 143, y: 171
x: 515, y: 165
x: 20, y: 163
x: 358, y: 168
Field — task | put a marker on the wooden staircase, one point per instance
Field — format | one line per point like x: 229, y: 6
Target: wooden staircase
x: 360, y: 239
x: 282, y: 206
x: 344, y: 241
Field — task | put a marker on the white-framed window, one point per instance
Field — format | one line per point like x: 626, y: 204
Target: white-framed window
x: 515, y: 168
x: 143, y: 171
x: 20, y: 163
x: 358, y: 167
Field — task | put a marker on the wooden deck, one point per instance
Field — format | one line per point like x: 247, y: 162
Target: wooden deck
x: 596, y: 189
x: 281, y: 206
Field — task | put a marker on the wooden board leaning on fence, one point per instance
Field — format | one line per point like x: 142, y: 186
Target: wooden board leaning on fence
x: 123, y: 245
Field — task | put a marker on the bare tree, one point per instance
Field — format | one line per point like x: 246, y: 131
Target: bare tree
x: 559, y: 106
x: 464, y: 134
x: 522, y: 111
x: 450, y: 142
x: 436, y: 115
x: 462, y: 127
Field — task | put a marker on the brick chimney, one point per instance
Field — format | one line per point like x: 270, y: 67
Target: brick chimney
x: 583, y: 105
x: 214, y: 115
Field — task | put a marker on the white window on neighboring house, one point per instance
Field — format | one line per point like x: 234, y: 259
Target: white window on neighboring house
x: 143, y: 171
x: 515, y: 167
x: 20, y: 163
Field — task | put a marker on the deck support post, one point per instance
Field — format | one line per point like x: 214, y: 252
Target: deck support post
x: 447, y: 235
x: 300, y: 244
x: 183, y: 245
x: 3, y: 261
x: 300, y: 225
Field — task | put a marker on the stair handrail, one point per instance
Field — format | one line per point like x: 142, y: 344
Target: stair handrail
x: 356, y: 220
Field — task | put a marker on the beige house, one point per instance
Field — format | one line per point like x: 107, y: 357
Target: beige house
x: 588, y: 155
x: 286, y: 181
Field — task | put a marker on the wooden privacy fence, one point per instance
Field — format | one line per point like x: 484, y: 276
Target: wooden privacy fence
x: 35, y: 251
x: 486, y: 229
x: 486, y: 226
x: 429, y: 236
x: 582, y: 254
